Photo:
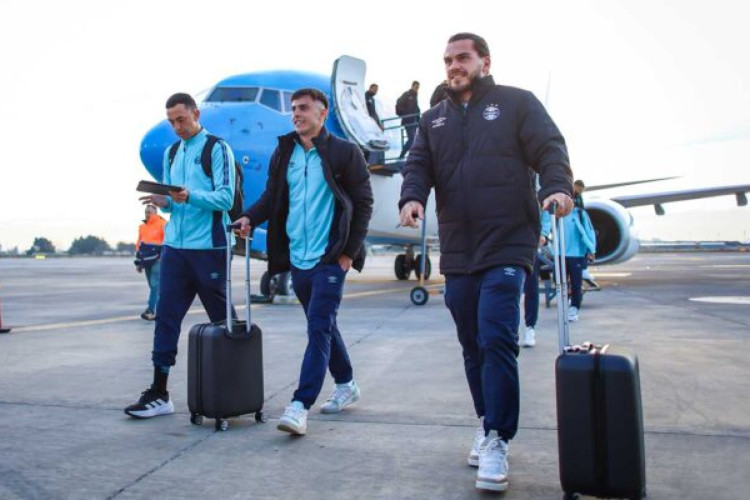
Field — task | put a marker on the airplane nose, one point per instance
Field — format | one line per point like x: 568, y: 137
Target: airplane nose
x: 153, y: 144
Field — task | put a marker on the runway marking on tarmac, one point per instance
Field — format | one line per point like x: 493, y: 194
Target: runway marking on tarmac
x: 119, y: 319
x: 727, y: 266
x: 734, y: 300
x: 611, y: 275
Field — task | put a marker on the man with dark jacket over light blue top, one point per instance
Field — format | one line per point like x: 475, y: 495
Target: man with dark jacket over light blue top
x: 193, y: 259
x: 480, y: 148
x: 318, y: 204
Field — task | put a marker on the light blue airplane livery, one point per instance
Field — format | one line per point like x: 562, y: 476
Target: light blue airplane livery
x: 251, y: 110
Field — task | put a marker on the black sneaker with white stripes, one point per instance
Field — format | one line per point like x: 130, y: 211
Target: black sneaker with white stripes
x: 151, y: 404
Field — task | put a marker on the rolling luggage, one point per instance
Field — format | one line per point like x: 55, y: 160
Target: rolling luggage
x: 225, y: 362
x: 599, y: 414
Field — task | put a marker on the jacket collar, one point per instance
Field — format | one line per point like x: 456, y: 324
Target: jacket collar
x: 293, y: 137
x: 479, y: 88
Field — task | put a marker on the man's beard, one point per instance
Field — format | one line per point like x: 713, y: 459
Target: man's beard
x: 473, y: 80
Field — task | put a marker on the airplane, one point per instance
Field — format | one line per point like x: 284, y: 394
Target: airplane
x: 251, y: 110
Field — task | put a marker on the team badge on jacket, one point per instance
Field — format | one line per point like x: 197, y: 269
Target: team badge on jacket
x: 491, y: 112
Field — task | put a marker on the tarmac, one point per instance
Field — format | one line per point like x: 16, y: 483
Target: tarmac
x: 78, y: 354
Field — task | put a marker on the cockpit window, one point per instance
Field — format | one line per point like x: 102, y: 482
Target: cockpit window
x: 271, y: 98
x: 287, y: 101
x: 233, y: 94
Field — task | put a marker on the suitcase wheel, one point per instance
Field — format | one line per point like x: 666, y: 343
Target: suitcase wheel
x: 196, y: 419
x: 259, y: 417
x: 419, y: 296
x: 222, y: 424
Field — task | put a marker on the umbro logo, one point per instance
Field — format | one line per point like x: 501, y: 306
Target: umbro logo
x: 438, y: 122
x: 509, y: 271
x: 214, y: 276
x: 333, y: 280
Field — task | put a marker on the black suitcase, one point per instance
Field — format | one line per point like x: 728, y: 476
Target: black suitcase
x: 599, y: 413
x: 225, y: 363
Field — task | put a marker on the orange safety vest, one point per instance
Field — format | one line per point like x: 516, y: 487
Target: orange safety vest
x: 151, y: 231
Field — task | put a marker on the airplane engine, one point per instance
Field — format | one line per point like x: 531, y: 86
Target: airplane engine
x: 616, y: 237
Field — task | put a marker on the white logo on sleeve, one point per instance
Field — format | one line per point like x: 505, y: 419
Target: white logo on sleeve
x: 491, y: 112
x: 438, y: 122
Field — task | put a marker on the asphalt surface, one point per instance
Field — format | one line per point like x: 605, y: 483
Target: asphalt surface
x: 78, y: 354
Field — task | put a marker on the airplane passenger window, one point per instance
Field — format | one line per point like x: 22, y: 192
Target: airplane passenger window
x: 271, y: 98
x: 287, y: 101
x: 233, y: 94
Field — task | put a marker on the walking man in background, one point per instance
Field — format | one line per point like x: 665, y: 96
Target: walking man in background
x: 148, y: 253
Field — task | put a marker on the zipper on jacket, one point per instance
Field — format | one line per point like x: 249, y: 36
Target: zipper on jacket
x: 304, y: 218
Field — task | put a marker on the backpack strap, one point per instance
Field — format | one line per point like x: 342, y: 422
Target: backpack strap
x: 208, y: 148
x: 173, y: 152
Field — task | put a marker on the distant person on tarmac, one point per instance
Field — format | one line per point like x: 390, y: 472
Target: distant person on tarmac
x: 318, y: 203
x: 407, y: 107
x: 193, y: 259
x: 531, y: 287
x: 148, y: 253
x: 580, y: 249
x: 480, y: 149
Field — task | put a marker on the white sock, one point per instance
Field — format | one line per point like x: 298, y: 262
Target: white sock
x: 298, y: 405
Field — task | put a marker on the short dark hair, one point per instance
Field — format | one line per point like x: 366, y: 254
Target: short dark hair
x: 314, y: 94
x: 579, y: 182
x: 181, y: 98
x: 480, y: 44
x: 414, y: 83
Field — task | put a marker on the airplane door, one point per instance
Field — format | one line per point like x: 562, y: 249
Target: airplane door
x: 348, y: 91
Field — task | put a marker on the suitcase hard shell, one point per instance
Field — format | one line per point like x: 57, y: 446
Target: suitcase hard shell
x: 600, y: 423
x: 599, y: 411
x: 225, y: 370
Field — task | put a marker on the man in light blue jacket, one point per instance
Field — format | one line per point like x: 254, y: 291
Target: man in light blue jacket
x: 193, y: 259
x: 580, y: 246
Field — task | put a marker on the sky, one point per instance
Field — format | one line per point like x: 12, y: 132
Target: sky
x: 639, y: 89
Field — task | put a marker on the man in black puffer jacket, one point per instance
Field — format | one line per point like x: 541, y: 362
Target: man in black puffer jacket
x: 318, y: 203
x: 480, y: 149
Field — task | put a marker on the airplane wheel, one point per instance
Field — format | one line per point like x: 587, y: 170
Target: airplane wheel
x: 418, y: 267
x: 265, y: 284
x: 401, y: 268
x: 281, y: 284
x: 419, y: 296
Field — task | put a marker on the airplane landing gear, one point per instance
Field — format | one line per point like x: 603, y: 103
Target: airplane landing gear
x: 402, y: 267
x: 280, y: 284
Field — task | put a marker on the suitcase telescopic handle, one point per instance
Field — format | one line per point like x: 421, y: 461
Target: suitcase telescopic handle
x: 230, y: 228
x: 561, y: 279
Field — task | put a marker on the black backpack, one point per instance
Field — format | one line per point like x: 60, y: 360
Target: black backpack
x: 239, y: 176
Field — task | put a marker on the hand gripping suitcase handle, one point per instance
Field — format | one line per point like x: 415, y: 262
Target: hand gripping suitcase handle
x: 230, y: 228
x: 561, y: 279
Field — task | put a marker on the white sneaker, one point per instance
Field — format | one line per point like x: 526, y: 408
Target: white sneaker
x: 529, y: 337
x: 342, y: 395
x: 572, y: 313
x: 493, y: 466
x: 478, y: 447
x: 294, y: 420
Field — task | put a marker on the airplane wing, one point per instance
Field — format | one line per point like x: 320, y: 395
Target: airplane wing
x: 657, y: 199
x: 599, y: 187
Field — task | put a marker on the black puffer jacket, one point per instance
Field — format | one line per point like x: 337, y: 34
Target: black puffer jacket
x: 481, y: 161
x: 346, y: 173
